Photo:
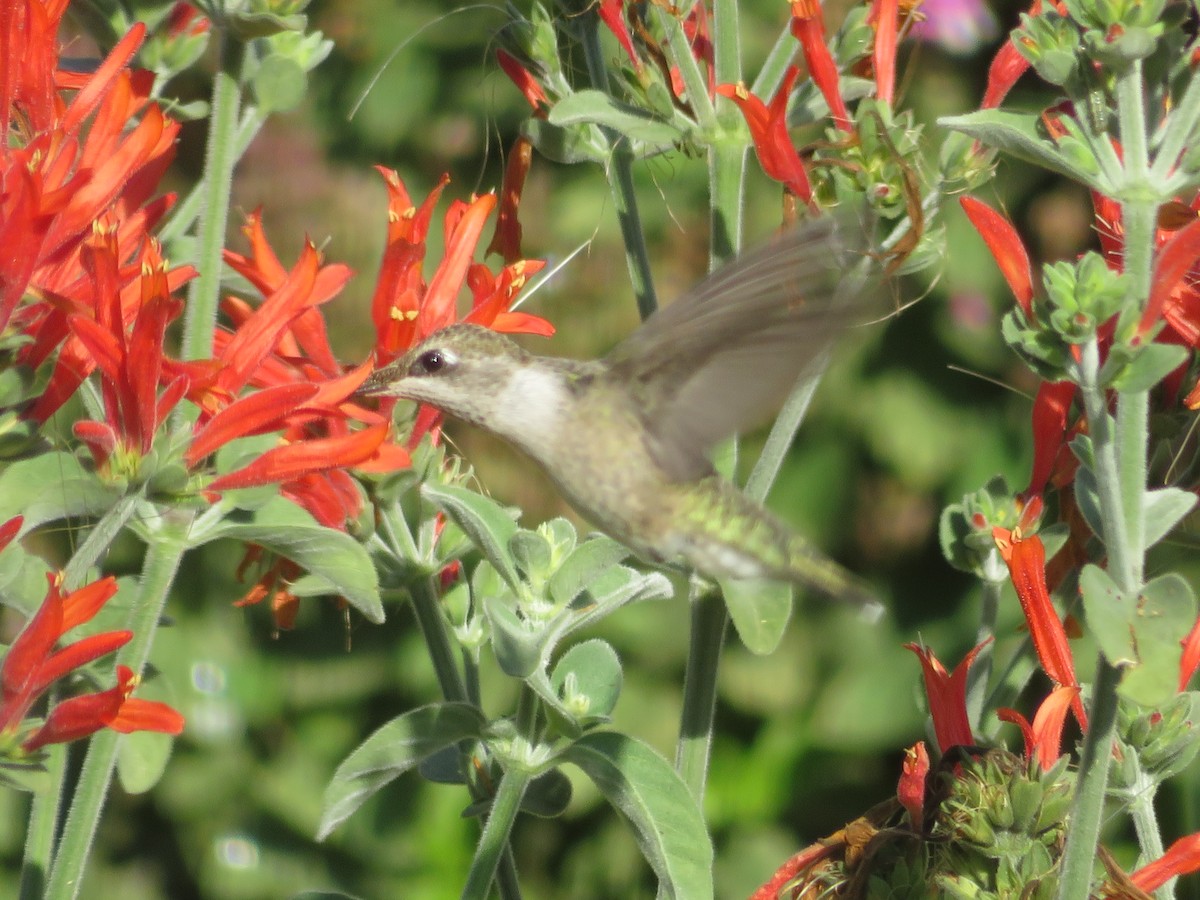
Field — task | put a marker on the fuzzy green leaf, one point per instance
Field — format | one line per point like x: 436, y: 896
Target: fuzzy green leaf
x: 395, y: 748
x: 284, y: 528
x: 760, y: 609
x: 667, y: 823
x: 486, y: 522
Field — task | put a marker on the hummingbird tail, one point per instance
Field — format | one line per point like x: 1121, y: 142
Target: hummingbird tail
x: 740, y: 539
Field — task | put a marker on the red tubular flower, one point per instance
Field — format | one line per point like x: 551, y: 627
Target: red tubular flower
x: 947, y: 696
x: 283, y: 464
x: 911, y: 789
x: 809, y: 29
x: 406, y: 309
x: 10, y: 530
x: 612, y: 14
x: 81, y: 169
x: 506, y: 239
x: 1006, y: 248
x: 131, y: 365
x: 1190, y: 660
x: 525, y: 82
x: 1043, y: 739
x: 885, y: 14
x: 1050, y: 411
x: 1026, y: 561
x: 1181, y: 858
x: 1176, y: 273
x: 31, y: 665
x: 80, y: 717
x: 58, y: 183
x: 768, y: 128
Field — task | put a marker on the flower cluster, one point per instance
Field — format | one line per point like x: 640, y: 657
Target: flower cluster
x: 32, y: 666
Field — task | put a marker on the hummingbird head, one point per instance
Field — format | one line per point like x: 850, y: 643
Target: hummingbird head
x: 461, y: 370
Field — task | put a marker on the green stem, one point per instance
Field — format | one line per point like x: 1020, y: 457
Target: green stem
x: 726, y: 177
x: 770, y: 76
x: 709, y: 618
x: 220, y: 155
x: 99, y: 539
x: 1141, y: 808
x: 709, y: 621
x: 1180, y: 126
x: 689, y: 69
x: 433, y: 629
x: 39, y: 841
x: 783, y: 431
x: 187, y: 211
x: 493, y: 842
x: 620, y: 178
x: 980, y: 673
x: 163, y: 554
x: 1079, y: 856
x: 43, y: 819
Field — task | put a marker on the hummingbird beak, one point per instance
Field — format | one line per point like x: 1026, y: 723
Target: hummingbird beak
x: 379, y: 381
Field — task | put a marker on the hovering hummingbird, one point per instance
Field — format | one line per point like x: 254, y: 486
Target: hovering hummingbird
x: 626, y: 438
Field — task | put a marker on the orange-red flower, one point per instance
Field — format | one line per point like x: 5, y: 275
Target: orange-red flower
x: 1006, y: 248
x: 768, y: 129
x: 32, y: 665
x: 910, y: 790
x: 947, y: 696
x: 1043, y: 739
x: 809, y: 29
x: 1025, y: 557
x: 533, y: 93
x: 612, y: 14
x: 1181, y: 858
x: 72, y: 166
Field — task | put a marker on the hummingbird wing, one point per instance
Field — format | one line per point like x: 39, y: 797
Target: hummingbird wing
x: 723, y: 356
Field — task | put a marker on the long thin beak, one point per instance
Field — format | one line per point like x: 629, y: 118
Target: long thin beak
x: 378, y: 382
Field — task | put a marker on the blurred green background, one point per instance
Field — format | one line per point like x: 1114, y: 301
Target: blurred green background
x: 909, y: 418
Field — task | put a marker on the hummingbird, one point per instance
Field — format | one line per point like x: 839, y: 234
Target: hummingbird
x: 625, y: 438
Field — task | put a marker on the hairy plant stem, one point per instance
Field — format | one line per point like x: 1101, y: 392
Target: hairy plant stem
x: 220, y: 156
x: 1119, y: 448
x: 164, y: 552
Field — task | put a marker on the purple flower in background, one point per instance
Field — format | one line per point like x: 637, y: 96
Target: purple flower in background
x: 958, y: 26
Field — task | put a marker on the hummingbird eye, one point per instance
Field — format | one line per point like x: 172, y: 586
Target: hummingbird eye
x: 431, y: 362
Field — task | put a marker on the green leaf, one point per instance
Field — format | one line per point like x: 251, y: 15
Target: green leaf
x: 284, y: 528
x: 667, y: 823
x: 50, y: 487
x: 1140, y: 633
x: 1109, y: 615
x: 547, y: 795
x: 518, y: 648
x: 487, y: 523
x: 596, y: 107
x: 1087, y: 496
x: 607, y: 592
x: 142, y: 758
x: 760, y: 609
x: 1017, y: 133
x: 1151, y: 365
x: 279, y: 83
x: 585, y: 562
x: 247, y: 26
x: 395, y: 748
x: 1165, y: 614
x: 25, y: 776
x: 531, y: 552
x: 568, y: 146
x: 588, y: 679
x: 1164, y: 509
